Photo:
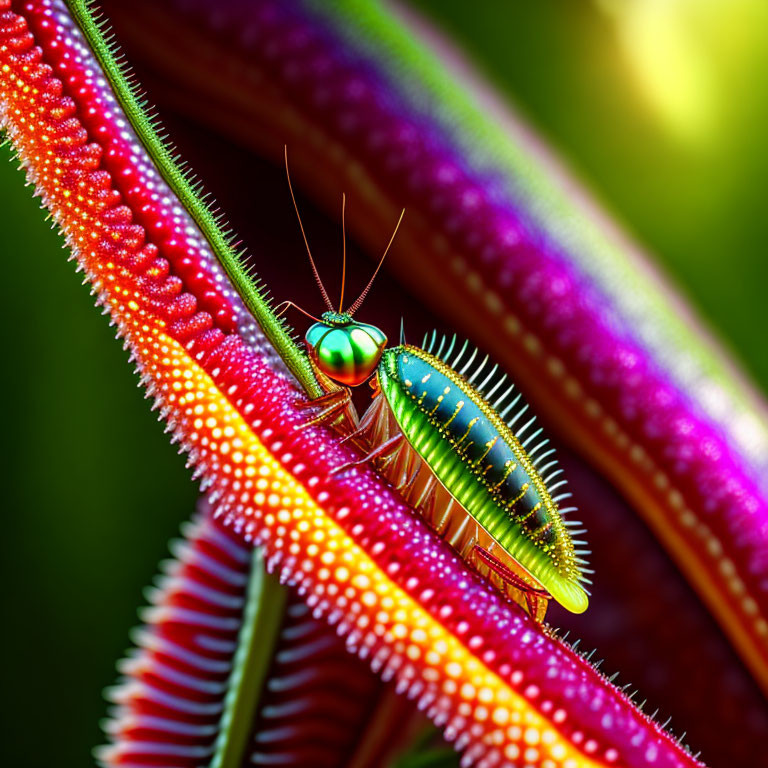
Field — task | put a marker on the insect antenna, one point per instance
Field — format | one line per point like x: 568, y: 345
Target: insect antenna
x: 306, y: 243
x: 343, y: 250
x: 359, y: 301
x: 283, y: 306
x: 402, y: 331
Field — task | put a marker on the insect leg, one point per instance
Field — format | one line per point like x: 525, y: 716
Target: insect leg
x: 331, y: 405
x: 532, y: 601
x: 366, y: 423
x: 410, y: 480
x: 385, y: 451
x: 532, y: 594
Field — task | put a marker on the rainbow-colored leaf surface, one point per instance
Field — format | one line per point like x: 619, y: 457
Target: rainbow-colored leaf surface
x: 591, y: 341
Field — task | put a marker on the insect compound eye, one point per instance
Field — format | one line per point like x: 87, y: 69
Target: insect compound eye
x: 348, y: 352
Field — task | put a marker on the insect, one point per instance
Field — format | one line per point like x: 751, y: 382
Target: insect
x: 457, y: 445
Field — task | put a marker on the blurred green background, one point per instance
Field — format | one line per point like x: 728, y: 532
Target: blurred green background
x: 660, y: 106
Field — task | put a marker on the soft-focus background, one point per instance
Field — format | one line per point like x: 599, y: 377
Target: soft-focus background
x: 660, y: 106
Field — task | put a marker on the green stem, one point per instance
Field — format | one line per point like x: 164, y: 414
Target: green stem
x: 135, y: 111
x: 262, y: 619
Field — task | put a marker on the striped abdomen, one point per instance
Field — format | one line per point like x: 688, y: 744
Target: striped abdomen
x: 481, y: 462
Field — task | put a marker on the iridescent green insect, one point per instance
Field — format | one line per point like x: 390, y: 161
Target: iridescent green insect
x: 462, y: 454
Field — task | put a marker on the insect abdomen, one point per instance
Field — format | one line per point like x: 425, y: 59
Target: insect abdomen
x: 478, y: 459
